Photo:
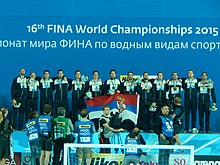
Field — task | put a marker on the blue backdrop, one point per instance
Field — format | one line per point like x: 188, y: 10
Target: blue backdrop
x: 16, y: 16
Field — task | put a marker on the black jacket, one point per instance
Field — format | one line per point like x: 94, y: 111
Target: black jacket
x: 129, y: 87
x: 190, y: 88
x: 179, y: 111
x: 145, y: 95
x: 61, y: 87
x: 95, y: 92
x: 16, y: 90
x: 6, y: 129
x: 205, y: 92
x: 108, y: 85
x: 174, y: 89
x: 79, y: 89
x: 46, y: 88
x: 32, y: 94
x: 159, y: 91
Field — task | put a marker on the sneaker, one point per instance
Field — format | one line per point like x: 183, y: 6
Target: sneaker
x: 194, y: 130
x: 186, y: 130
x: 201, y: 131
x: 208, y: 132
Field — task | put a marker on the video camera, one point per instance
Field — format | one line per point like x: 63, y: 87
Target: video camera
x: 115, y: 121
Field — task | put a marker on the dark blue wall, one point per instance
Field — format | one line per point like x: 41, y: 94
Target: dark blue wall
x: 113, y: 8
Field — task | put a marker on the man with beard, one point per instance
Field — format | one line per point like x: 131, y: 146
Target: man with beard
x: 129, y: 86
x: 18, y: 94
x: 112, y: 85
x: 163, y: 127
x: 145, y: 117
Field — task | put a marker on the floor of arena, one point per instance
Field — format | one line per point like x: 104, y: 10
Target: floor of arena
x: 204, y: 144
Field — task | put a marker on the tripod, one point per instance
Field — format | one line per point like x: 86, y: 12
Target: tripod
x: 116, y: 137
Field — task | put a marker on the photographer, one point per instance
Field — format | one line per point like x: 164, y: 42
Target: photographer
x: 33, y: 131
x: 5, y: 134
x: 132, y: 155
x: 105, y: 131
x: 163, y: 127
x: 62, y: 133
x: 46, y: 123
x: 177, y: 115
x: 85, y: 129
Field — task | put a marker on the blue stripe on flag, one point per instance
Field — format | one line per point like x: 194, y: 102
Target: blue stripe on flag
x: 94, y: 108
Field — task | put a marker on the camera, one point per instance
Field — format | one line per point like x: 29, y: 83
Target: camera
x: 115, y: 121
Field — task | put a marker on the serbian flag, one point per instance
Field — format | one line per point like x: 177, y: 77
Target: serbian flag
x: 126, y: 104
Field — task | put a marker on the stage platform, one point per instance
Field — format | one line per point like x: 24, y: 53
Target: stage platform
x: 205, y: 144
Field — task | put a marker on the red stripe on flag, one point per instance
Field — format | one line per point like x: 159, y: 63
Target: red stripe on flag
x: 104, y: 100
